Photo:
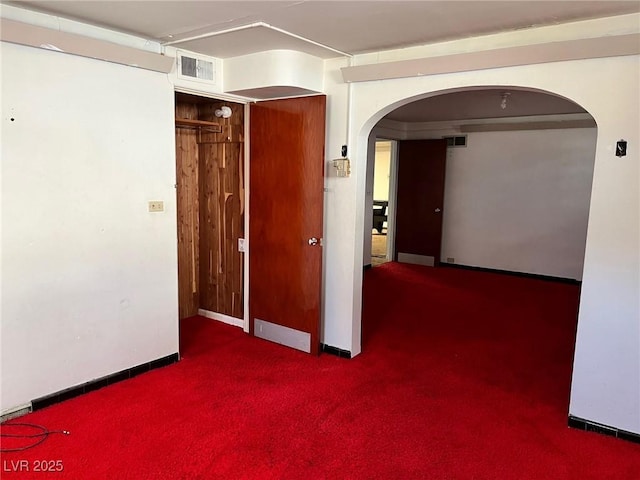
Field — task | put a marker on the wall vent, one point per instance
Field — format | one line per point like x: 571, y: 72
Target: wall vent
x: 196, y: 68
x: 456, y: 141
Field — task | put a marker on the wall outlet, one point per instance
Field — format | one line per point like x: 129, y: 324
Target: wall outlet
x: 156, y: 206
x: 451, y: 260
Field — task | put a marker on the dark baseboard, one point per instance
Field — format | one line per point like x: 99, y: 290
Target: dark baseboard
x: 548, y: 278
x: 87, y: 387
x: 335, y: 351
x: 366, y: 267
x: 589, y: 426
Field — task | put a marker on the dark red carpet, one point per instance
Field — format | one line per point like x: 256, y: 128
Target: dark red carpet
x: 464, y: 375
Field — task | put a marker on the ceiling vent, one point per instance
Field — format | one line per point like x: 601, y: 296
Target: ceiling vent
x: 192, y: 67
x: 456, y: 141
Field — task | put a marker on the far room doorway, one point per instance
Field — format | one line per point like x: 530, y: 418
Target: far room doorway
x: 380, y: 232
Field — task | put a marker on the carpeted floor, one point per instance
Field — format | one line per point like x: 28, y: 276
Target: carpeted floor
x: 378, y: 249
x: 464, y: 375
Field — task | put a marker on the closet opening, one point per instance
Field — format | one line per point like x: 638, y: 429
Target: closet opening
x: 210, y: 183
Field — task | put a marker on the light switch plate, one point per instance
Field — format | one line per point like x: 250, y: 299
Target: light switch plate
x: 156, y: 206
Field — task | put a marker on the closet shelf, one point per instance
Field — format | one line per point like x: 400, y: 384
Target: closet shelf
x: 199, y: 124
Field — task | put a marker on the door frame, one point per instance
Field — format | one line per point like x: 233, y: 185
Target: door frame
x: 243, y: 101
x: 393, y: 197
x: 392, y: 194
x: 435, y: 159
x: 245, y: 321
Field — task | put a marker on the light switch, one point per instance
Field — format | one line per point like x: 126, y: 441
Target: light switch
x: 621, y: 148
x: 156, y: 206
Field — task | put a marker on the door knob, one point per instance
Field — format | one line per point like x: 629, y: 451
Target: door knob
x: 437, y: 210
x: 313, y: 241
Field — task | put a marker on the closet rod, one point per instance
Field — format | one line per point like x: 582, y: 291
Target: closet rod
x: 188, y: 123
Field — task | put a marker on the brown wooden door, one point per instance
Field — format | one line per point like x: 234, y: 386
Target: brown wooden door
x: 285, y: 211
x: 420, y: 198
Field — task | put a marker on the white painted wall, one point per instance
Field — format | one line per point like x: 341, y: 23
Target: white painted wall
x: 340, y: 216
x: 606, y: 381
x: 89, y: 276
x: 519, y: 201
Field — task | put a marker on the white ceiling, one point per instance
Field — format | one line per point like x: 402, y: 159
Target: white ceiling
x: 486, y: 103
x: 348, y: 26
x: 233, y: 28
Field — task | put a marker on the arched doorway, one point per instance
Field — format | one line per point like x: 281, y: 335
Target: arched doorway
x: 519, y: 163
x: 366, y: 138
x: 517, y: 196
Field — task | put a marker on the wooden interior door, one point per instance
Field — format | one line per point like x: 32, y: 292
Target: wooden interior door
x: 285, y: 216
x: 420, y: 199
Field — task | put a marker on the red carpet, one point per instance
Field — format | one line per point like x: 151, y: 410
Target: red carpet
x: 465, y: 375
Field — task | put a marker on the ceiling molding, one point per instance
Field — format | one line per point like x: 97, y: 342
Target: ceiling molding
x: 413, y: 126
x: 406, y: 130
x: 63, y: 42
x: 609, y: 46
x: 510, y: 127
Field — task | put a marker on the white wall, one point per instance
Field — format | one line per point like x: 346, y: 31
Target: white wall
x: 89, y: 276
x: 606, y: 381
x: 340, y: 216
x: 519, y: 201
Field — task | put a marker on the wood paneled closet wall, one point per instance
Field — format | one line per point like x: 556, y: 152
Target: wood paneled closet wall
x: 210, y: 189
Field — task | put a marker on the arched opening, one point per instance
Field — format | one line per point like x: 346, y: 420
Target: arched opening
x: 499, y: 305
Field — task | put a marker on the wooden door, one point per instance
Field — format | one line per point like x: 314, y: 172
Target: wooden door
x: 285, y: 215
x: 420, y: 198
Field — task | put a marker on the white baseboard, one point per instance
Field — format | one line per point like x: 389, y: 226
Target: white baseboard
x: 416, y: 259
x: 220, y: 317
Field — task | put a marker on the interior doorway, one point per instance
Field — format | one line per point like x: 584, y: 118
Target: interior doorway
x: 516, y: 206
x: 380, y: 231
x: 214, y: 248
x: 513, y: 176
x: 210, y: 207
x: 420, y: 200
